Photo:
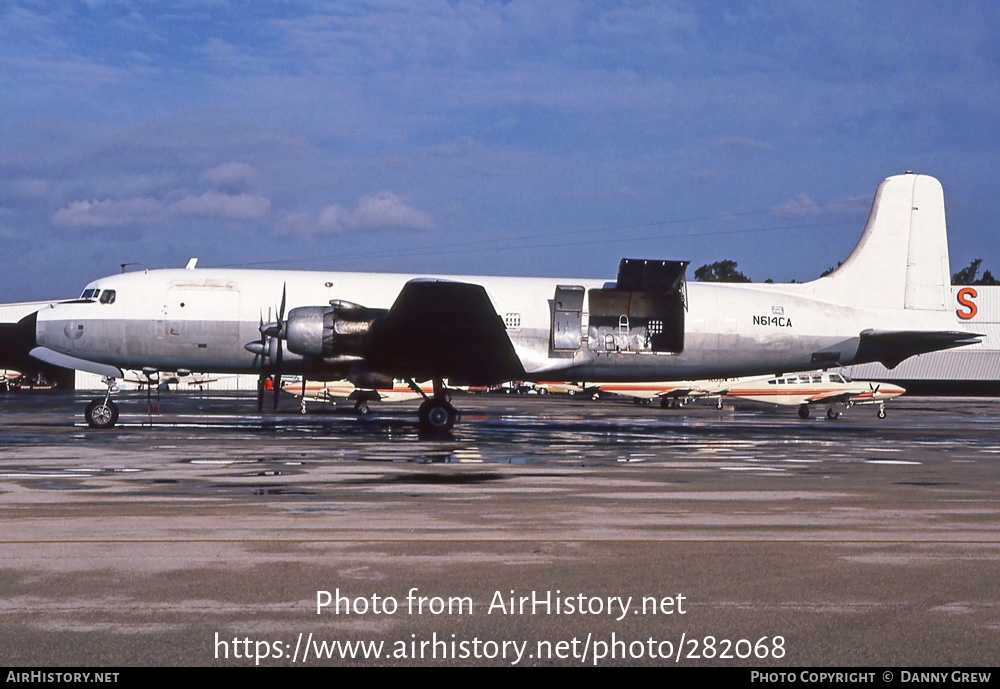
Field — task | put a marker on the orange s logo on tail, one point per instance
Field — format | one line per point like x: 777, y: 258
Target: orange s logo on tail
x: 965, y: 297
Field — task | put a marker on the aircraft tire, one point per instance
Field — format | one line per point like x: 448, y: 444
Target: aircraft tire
x: 832, y: 414
x: 437, y: 416
x: 881, y: 413
x: 664, y: 403
x: 803, y: 411
x: 100, y: 414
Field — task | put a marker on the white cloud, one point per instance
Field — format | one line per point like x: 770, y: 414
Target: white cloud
x: 226, y: 206
x: 110, y: 213
x: 146, y: 211
x: 799, y: 207
x: 230, y: 176
x: 384, y: 210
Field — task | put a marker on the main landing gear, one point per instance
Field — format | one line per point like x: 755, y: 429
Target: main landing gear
x: 436, y: 414
x: 102, y: 413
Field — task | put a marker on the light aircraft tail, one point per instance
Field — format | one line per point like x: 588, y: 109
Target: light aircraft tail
x: 901, y: 261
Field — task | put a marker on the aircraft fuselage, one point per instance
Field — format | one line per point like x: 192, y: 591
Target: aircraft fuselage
x: 201, y: 320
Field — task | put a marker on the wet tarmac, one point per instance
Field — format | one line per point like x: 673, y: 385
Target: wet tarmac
x: 197, y: 533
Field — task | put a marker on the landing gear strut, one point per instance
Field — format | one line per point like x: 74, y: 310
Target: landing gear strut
x: 102, y: 413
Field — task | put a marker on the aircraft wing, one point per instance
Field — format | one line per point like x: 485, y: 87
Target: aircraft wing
x: 832, y: 397
x: 890, y: 347
x: 444, y: 329
x: 677, y: 392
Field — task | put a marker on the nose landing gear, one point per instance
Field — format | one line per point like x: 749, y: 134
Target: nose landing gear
x: 102, y: 413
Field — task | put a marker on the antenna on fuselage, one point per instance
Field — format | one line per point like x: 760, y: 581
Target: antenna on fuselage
x: 126, y: 265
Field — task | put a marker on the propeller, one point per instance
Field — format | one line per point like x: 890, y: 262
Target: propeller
x: 279, y: 340
x: 269, y: 352
x: 874, y: 388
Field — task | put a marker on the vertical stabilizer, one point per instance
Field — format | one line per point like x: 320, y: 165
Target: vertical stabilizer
x: 901, y: 261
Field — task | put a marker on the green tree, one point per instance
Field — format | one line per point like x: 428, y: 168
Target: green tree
x: 831, y: 269
x: 967, y: 276
x: 720, y: 271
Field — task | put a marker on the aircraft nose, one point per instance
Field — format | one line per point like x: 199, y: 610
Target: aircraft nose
x: 55, y: 328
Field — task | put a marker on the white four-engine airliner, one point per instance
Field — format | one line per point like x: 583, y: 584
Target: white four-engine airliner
x: 888, y: 301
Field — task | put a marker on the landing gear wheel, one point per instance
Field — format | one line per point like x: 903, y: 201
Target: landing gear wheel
x: 437, y: 416
x: 832, y: 413
x: 881, y: 413
x: 101, y: 414
x: 718, y: 405
x: 803, y: 411
x: 361, y: 408
x: 664, y: 403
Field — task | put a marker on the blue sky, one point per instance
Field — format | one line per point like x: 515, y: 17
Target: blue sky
x: 526, y: 138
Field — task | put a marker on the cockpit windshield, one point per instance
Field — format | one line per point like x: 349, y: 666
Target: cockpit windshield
x: 96, y: 294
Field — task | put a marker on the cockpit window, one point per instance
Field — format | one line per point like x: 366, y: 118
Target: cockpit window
x: 108, y: 296
x: 90, y: 293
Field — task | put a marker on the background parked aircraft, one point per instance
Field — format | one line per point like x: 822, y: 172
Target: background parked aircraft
x: 342, y: 390
x: 142, y: 379
x: 9, y: 377
x: 817, y: 387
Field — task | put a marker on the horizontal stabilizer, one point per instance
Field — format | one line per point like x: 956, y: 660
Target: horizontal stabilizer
x: 891, y: 347
x: 443, y: 329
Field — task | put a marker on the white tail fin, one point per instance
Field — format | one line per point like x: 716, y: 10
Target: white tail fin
x: 901, y: 261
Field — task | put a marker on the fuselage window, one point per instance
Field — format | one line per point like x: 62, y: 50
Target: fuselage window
x: 108, y: 296
x: 512, y: 321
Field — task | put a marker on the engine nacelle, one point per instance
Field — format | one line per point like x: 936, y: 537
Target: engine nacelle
x: 330, y: 331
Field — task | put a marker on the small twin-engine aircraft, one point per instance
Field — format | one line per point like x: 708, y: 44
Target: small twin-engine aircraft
x: 817, y: 387
x: 337, y: 390
x: 155, y: 379
x: 888, y: 301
